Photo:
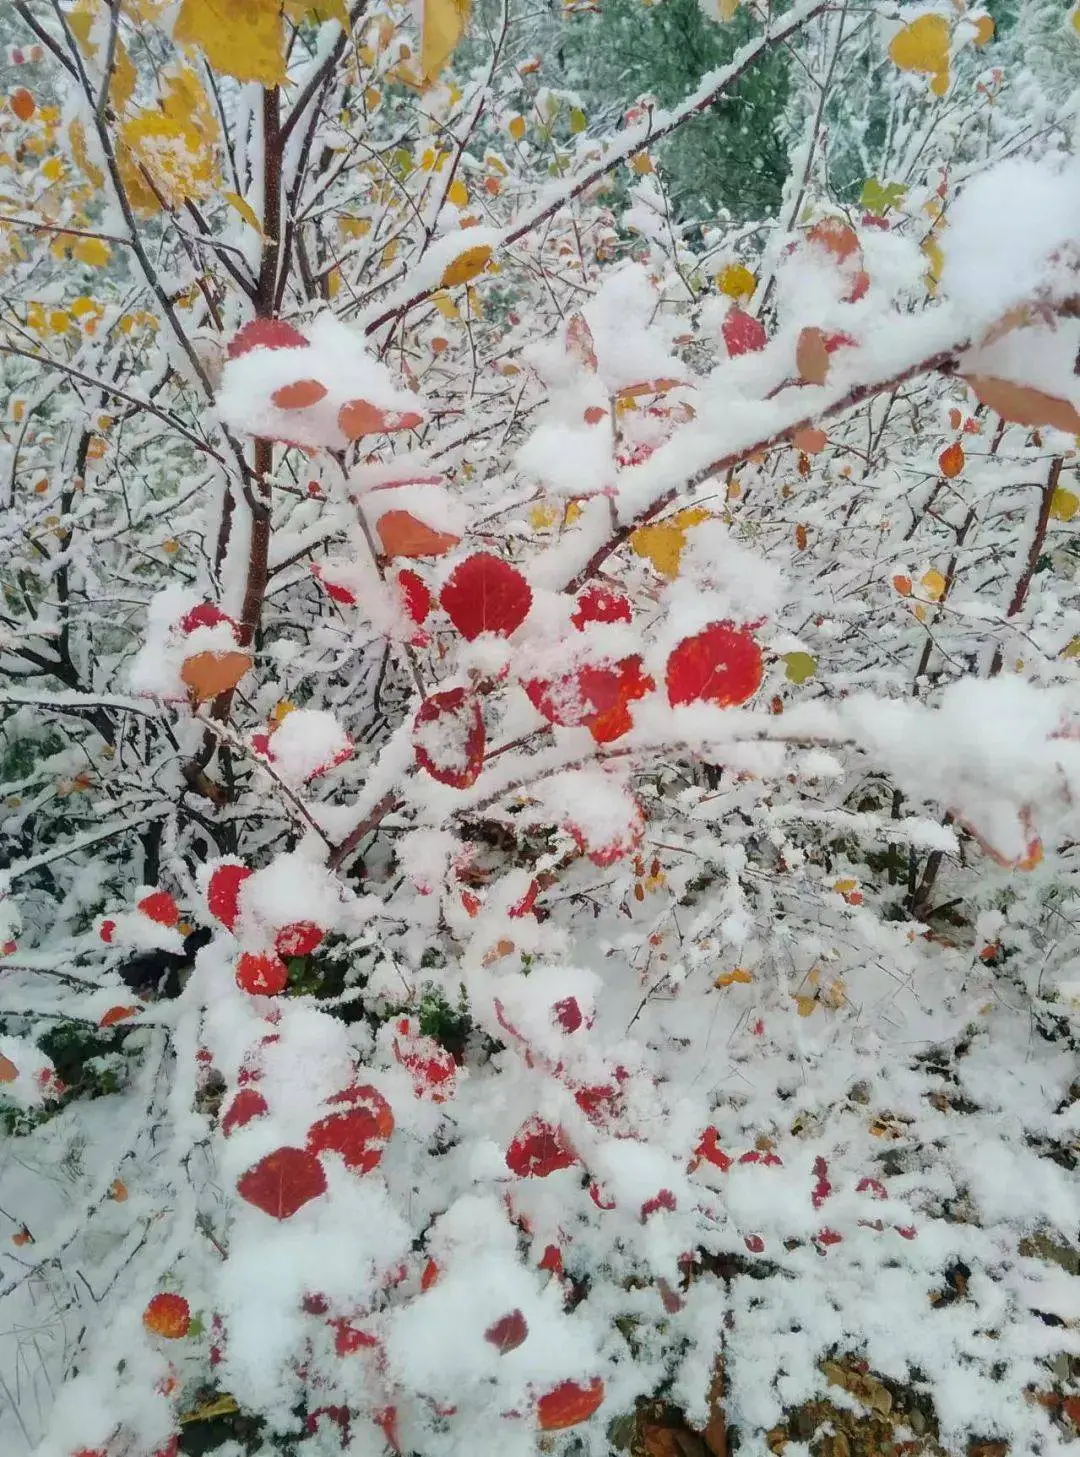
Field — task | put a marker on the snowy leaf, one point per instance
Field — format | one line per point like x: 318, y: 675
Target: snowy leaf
x: 922, y: 46
x: 485, y: 594
x: 539, y: 1149
x: 568, y: 1404
x: 743, y: 334
x: 359, y: 1134
x: 208, y: 674
x: 243, y: 38
x: 358, y: 418
x: 580, y: 342
x: 248, y: 1103
x: 1064, y: 504
x: 223, y: 892
x: 1025, y: 405
x: 798, y: 667
x: 442, y: 25
x: 449, y: 737
x: 812, y: 356
x: 298, y: 395
x: 663, y: 544
x: 261, y: 973
x: 9, y: 1073
x: 403, y: 535
x: 265, y: 334
x: 951, y: 460
x: 508, y: 1333
x: 283, y: 1182
x: 721, y: 665
x: 467, y: 265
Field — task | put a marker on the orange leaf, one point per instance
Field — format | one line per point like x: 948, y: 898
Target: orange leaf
x: 568, y: 1404
x: 358, y: 417
x: 812, y: 357
x: 402, y: 535
x: 647, y: 387
x: 810, y: 440
x: 22, y: 103
x: 208, y: 674
x: 951, y: 460
x: 118, y: 1014
x: 300, y: 393
x: 8, y: 1071
x: 1025, y: 405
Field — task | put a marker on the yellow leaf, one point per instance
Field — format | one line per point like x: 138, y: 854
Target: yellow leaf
x: 939, y: 82
x: 172, y: 154
x: 933, y: 584
x: 59, y: 321
x: 984, y: 30
x: 728, y: 9
x: 737, y: 282
x: 245, y: 209
x: 578, y: 120
x: 241, y: 38
x: 544, y: 514
x: 1074, y: 18
x: 446, y: 306
x: 516, y: 127
x: 730, y: 978
x: 1071, y: 648
x: 53, y: 170
x: 458, y: 193
x: 936, y: 261
x: 663, y: 545
x: 122, y: 86
x: 642, y: 164
x: 93, y: 251
x: 922, y: 46
x: 1064, y: 504
x: 465, y: 266
x: 443, y: 25
x: 77, y: 137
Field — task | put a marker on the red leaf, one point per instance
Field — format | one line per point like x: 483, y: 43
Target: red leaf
x: 579, y: 341
x: 485, y: 594
x: 449, y: 737
x: 415, y: 594
x: 743, y: 334
x: 249, y: 1103
x: 118, y: 1014
x: 508, y: 1333
x: 265, y: 334
x: 358, y: 418
x: 600, y: 604
x: 432, y: 1067
x: 299, y: 939
x: 567, y: 1014
x: 299, y: 394
x: 665, y: 1199
x: 595, y: 696
x: 568, y: 1404
x: 223, y: 893
x: 107, y: 930
x: 261, y: 973
x: 721, y: 665
x: 709, y: 1149
x: 538, y: 1149
x: 207, y: 614
x: 283, y: 1182
x: 159, y: 906
x: 359, y: 1135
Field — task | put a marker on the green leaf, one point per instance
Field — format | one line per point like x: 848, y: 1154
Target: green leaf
x: 878, y: 197
x: 799, y: 666
x: 578, y: 120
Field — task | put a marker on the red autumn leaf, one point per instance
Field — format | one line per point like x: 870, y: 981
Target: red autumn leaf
x: 118, y: 1014
x: 261, y: 973
x: 107, y: 930
x: 665, y: 1199
x: 299, y: 394
x: 431, y: 1066
x: 525, y: 904
x: 168, y: 1315
x: 403, y: 534
x: 743, y: 334
x: 283, y: 1182
x: 449, y: 737
x: 223, y: 893
x: 249, y: 1103
x: 359, y: 1134
x: 485, y: 594
x: 265, y: 334
x: 206, y: 614
x: 600, y: 604
x: 415, y: 594
x: 357, y: 418
x: 508, y: 1333
x: 568, y: 1404
x: 300, y: 938
x: 567, y: 1014
x: 159, y: 906
x: 721, y: 665
x: 538, y: 1149
x: 710, y: 1151
x: 595, y: 697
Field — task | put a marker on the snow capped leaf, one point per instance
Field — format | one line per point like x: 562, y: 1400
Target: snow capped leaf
x: 248, y: 1103
x: 738, y: 283
x: 261, y: 973
x: 594, y: 696
x: 721, y: 665
x: 1025, y: 405
x: 265, y: 334
x: 508, y: 1333
x: 403, y: 535
x: 951, y: 460
x: 245, y: 210
x: 415, y: 594
x: 9, y: 1073
x: 449, y: 737
x: 539, y: 1149
x: 283, y: 1182
x: 358, y: 418
x: 580, y: 342
x: 485, y: 594
x: 472, y: 261
x: 359, y: 1134
x: 600, y: 604
x: 167, y: 1315
x: 922, y: 46
x: 160, y: 907
x: 568, y: 1404
x: 1064, y: 504
x: 663, y: 544
x: 812, y: 356
x: 208, y: 674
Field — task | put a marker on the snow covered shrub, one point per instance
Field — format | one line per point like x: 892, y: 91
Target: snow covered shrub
x: 541, y: 743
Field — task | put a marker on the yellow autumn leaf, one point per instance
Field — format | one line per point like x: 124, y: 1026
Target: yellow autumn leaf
x: 1074, y: 18
x: 984, y: 30
x: 94, y: 252
x: 642, y: 164
x: 728, y: 9
x: 241, y: 38
x: 465, y: 266
x: 442, y: 26
x: 663, y: 545
x: 457, y: 193
x: 933, y: 584
x: 245, y: 209
x: 737, y: 282
x: 79, y: 151
x: 922, y: 46
x: 516, y: 127
x: 935, y: 259
x: 1064, y: 504
x: 446, y: 306
x: 543, y: 515
x: 172, y: 155
x: 81, y: 19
